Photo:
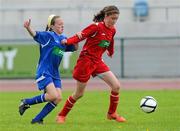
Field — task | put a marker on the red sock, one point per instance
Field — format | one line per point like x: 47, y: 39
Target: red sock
x: 67, y: 107
x: 114, y: 99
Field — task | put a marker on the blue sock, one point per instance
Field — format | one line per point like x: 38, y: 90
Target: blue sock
x: 45, y: 111
x: 35, y: 100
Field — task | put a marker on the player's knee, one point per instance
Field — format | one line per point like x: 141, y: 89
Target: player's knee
x: 53, y: 97
x: 58, y: 99
x: 116, y: 87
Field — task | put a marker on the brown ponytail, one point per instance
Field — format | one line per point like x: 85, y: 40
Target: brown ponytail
x: 106, y: 11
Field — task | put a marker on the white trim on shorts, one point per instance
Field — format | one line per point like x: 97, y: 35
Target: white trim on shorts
x: 40, y: 78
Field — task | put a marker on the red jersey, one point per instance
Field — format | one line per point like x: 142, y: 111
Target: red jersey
x: 99, y: 38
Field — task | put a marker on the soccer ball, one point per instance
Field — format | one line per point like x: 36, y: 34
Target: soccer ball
x: 148, y: 104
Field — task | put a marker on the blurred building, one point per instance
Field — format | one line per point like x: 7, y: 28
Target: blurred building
x: 163, y: 16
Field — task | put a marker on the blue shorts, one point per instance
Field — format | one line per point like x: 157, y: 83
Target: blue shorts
x: 44, y: 80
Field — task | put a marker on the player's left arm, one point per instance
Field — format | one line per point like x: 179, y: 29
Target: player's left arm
x: 110, y: 50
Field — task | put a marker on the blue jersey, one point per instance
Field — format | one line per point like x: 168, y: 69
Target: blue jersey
x: 51, y: 53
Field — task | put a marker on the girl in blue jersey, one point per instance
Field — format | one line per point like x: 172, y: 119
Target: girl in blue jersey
x: 47, y: 74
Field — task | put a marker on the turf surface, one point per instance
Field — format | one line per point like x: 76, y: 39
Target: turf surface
x: 89, y: 113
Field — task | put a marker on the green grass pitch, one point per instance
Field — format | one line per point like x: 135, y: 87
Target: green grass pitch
x: 89, y: 113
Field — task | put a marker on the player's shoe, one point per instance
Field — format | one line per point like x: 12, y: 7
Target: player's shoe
x: 36, y: 122
x: 116, y: 117
x: 23, y: 107
x: 60, y: 119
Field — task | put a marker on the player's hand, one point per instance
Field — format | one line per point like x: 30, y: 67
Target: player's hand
x: 76, y: 46
x: 27, y: 23
x: 64, y: 41
x: 79, y: 35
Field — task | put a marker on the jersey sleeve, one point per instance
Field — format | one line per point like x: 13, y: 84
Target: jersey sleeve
x: 110, y: 50
x: 87, y: 32
x: 42, y: 37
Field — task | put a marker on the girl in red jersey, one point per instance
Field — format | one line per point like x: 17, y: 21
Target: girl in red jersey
x: 99, y: 38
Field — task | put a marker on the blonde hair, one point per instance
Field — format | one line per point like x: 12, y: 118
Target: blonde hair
x: 51, y: 21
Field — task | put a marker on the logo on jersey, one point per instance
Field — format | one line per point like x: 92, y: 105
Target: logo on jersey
x: 104, y: 44
x: 58, y: 51
x: 46, y: 43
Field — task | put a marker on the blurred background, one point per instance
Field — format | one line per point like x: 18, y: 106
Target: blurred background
x: 147, y: 43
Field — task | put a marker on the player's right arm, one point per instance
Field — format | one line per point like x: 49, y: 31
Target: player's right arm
x: 27, y: 24
x: 85, y: 33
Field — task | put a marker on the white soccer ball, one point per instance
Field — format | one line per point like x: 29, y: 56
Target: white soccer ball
x: 148, y: 104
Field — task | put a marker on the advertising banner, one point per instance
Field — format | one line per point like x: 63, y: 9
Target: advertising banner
x: 20, y: 61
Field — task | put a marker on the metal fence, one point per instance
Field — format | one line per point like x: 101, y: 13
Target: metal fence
x: 138, y: 57
x: 146, y: 57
